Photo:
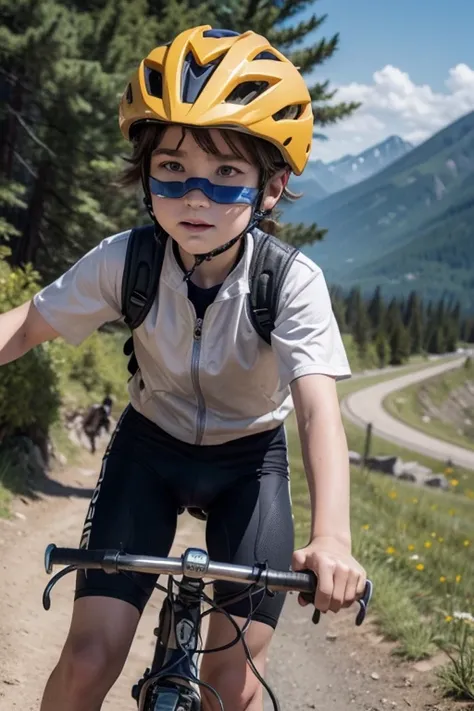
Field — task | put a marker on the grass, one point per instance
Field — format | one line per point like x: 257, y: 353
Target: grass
x: 416, y: 544
x: 406, y: 405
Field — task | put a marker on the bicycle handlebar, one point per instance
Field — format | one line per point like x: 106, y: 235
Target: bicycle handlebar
x: 194, y: 563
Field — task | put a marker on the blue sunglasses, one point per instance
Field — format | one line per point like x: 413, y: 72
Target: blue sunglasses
x: 223, y: 194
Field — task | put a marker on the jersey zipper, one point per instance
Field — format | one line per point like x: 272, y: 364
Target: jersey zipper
x: 201, y: 403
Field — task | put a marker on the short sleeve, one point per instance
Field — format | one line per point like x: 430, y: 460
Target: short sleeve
x: 88, y: 294
x: 306, y: 338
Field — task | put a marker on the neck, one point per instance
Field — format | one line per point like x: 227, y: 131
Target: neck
x: 209, y: 274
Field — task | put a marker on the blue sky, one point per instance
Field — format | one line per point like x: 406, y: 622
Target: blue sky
x: 411, y: 63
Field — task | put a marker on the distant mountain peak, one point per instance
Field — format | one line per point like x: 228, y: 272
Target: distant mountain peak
x: 350, y: 169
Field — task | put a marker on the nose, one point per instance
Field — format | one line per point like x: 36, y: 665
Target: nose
x: 196, y: 199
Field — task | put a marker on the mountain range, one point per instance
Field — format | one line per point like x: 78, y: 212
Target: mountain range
x: 409, y: 226
x: 321, y: 179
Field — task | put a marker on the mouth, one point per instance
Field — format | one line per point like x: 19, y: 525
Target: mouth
x: 195, y: 225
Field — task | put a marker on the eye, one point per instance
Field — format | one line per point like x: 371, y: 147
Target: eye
x: 228, y: 171
x: 172, y: 166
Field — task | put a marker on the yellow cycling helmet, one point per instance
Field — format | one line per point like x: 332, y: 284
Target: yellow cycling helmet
x: 223, y: 79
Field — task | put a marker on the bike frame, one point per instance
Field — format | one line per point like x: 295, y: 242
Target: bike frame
x: 167, y: 685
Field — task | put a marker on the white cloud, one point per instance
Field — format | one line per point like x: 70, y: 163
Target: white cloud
x: 394, y: 104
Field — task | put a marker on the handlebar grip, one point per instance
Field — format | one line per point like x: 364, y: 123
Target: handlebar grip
x: 305, y: 581
x: 76, y: 557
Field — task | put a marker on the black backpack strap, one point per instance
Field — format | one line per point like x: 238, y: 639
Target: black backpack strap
x: 141, y: 274
x: 271, y: 261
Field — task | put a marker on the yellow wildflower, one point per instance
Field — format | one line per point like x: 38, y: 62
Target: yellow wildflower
x: 411, y: 547
x: 393, y: 494
x: 442, y: 579
x: 390, y: 550
x: 441, y: 539
x: 448, y: 470
x: 428, y: 544
x: 458, y: 578
x: 454, y: 482
x: 452, y: 512
x: 448, y: 618
x: 366, y: 526
x: 433, y: 534
x: 467, y: 543
x: 420, y: 566
x: 414, y: 501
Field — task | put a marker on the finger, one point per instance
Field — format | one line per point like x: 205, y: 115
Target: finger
x: 302, y: 601
x: 351, y: 588
x: 325, y: 587
x: 361, y: 584
x: 299, y: 559
x: 340, y: 583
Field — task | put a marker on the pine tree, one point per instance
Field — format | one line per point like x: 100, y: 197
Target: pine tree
x: 397, y: 334
x: 360, y: 325
x: 382, y: 348
x: 376, y: 311
x: 414, y: 322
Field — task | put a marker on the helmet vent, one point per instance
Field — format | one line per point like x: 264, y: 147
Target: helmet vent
x: 218, y: 34
x: 266, y: 55
x: 154, y: 82
x: 289, y: 113
x: 129, y: 94
x: 195, y: 77
x: 246, y: 92
x: 287, y: 141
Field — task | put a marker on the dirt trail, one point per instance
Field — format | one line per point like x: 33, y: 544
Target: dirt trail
x: 307, y: 670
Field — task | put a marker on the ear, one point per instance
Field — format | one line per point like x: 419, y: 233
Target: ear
x: 274, y: 189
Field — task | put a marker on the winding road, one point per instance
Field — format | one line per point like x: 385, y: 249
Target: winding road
x: 366, y: 406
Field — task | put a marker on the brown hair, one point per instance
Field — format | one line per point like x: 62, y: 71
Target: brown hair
x: 267, y: 157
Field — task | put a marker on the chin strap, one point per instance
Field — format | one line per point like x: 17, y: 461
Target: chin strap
x: 256, y: 218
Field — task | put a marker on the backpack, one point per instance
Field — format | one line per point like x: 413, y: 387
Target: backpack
x: 271, y: 261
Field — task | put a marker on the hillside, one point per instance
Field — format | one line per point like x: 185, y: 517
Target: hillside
x: 412, y: 222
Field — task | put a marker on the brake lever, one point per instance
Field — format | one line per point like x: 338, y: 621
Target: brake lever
x: 52, y: 583
x: 363, y: 602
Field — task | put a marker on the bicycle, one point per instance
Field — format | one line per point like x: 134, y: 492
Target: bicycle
x: 172, y: 682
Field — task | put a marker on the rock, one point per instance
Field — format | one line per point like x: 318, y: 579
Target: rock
x: 375, y: 676
x: 415, y: 468
x: 21, y: 516
x: 426, y: 419
x: 355, y: 457
x: 37, y: 458
x: 386, y: 464
x: 408, y: 476
x: 331, y: 636
x: 62, y: 459
x: 437, y: 481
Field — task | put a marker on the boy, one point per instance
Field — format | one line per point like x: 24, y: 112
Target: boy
x: 218, y: 121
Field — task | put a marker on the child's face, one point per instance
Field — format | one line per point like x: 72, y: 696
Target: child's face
x: 198, y: 224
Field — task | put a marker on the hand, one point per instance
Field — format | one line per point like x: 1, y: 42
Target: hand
x: 341, y: 580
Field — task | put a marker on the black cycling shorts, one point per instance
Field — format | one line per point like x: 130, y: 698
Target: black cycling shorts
x: 147, y: 475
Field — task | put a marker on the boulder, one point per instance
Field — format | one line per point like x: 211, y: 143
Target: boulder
x: 386, y: 465
x: 437, y: 481
x: 355, y: 457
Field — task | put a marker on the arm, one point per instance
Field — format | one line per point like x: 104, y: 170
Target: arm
x: 20, y: 330
x: 340, y: 577
x: 325, y: 455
